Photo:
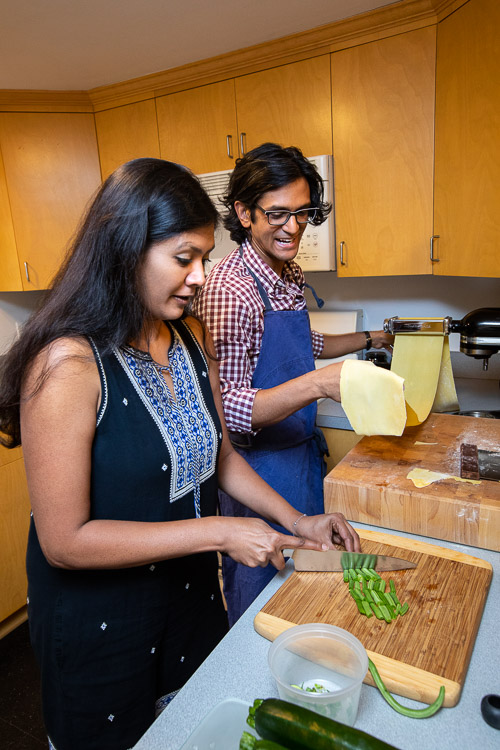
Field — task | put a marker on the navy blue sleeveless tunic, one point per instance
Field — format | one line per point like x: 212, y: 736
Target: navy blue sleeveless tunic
x: 111, y: 642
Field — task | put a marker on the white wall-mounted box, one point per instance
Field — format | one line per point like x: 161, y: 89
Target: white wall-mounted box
x: 317, y: 247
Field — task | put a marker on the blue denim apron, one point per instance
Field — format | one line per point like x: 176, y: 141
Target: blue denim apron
x: 289, y: 455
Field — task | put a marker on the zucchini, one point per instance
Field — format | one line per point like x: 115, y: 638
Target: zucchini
x: 298, y: 728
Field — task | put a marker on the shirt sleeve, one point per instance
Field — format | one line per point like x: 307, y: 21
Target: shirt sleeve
x: 318, y: 343
x: 232, y: 328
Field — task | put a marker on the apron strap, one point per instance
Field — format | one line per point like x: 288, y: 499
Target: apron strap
x: 320, y: 302
x: 262, y: 291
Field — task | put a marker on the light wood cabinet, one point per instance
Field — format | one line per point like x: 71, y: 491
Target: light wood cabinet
x: 15, y: 515
x: 339, y: 444
x: 467, y: 172
x: 290, y: 105
x: 383, y: 132
x: 198, y: 127
x: 208, y: 127
x: 52, y: 169
x: 10, y: 275
x: 126, y: 133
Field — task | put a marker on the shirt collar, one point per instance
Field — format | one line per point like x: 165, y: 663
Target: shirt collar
x: 292, y: 272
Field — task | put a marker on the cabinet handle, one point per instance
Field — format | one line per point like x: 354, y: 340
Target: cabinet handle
x: 342, y: 261
x: 26, y: 271
x: 433, y: 258
x: 229, y: 145
x: 243, y: 143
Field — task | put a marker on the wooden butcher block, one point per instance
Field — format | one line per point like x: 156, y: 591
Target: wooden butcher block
x: 370, y: 484
x: 416, y: 653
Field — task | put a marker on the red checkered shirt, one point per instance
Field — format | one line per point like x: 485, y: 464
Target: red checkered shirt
x: 232, y: 308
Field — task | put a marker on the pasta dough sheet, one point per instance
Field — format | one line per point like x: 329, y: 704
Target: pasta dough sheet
x: 423, y: 360
x: 425, y: 477
x: 372, y: 398
x: 446, y: 393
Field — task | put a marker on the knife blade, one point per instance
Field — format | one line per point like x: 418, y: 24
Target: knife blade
x: 332, y: 560
x: 478, y: 464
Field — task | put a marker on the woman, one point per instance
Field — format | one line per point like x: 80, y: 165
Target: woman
x: 116, y: 395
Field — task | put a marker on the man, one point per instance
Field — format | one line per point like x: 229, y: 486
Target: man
x: 254, y: 306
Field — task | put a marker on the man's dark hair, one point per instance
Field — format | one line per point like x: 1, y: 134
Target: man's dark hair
x: 269, y: 167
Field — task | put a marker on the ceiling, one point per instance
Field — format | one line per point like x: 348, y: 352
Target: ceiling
x: 83, y: 44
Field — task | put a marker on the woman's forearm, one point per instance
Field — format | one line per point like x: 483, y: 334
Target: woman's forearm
x: 124, y: 544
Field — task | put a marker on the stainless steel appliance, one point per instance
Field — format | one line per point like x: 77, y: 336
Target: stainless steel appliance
x: 479, y: 330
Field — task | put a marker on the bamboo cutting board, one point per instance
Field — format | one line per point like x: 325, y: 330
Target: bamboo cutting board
x: 370, y: 484
x: 415, y: 654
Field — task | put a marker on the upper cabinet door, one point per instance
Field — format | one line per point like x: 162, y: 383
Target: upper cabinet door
x: 126, y: 133
x: 52, y: 170
x: 467, y: 191
x: 198, y: 127
x: 290, y: 105
x: 383, y: 138
x: 10, y: 273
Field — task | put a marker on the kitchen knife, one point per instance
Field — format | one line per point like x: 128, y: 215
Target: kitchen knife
x: 333, y: 560
x: 478, y: 464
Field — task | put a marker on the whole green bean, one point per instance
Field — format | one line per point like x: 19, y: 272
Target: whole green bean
x: 414, y: 713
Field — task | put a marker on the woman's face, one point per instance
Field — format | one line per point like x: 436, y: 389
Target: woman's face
x: 172, y: 271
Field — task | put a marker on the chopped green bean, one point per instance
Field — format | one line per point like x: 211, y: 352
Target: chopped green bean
x: 367, y: 609
x: 385, y: 612
x: 357, y: 595
x: 360, y: 606
x: 388, y: 598
x: 404, y: 608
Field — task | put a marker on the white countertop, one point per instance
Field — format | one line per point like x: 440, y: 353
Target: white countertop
x: 238, y: 668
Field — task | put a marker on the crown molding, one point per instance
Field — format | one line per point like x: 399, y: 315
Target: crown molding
x: 25, y: 100
x: 389, y: 20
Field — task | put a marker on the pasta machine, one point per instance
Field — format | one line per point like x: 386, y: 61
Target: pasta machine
x: 479, y: 330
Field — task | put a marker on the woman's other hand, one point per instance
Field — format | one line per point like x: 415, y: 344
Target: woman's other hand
x: 329, y: 530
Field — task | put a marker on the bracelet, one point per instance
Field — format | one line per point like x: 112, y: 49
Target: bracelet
x: 294, y: 527
x: 368, y: 344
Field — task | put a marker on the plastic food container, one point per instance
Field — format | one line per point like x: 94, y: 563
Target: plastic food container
x: 221, y: 728
x: 320, y: 667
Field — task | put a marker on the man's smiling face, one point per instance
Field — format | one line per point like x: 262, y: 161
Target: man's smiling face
x: 276, y: 244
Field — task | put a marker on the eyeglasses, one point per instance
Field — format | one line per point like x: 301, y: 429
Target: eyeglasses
x: 278, y: 218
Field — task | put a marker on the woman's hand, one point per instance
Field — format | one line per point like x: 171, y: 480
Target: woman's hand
x: 253, y: 542
x: 328, y: 529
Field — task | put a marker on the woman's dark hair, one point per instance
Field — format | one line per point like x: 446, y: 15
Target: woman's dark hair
x: 96, y: 291
x: 269, y: 167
